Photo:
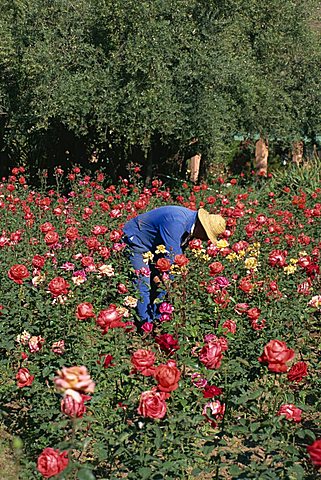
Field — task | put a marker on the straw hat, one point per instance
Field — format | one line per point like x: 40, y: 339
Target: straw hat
x: 212, y: 224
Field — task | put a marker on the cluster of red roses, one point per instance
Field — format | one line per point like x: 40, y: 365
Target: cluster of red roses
x: 152, y: 403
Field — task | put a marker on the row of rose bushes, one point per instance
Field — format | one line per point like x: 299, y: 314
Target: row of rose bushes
x: 225, y: 383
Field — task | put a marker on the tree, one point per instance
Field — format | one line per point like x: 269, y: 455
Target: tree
x: 130, y: 80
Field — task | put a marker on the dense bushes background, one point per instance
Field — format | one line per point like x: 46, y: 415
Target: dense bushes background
x: 121, y: 80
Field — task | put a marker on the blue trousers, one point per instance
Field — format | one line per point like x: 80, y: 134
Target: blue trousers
x: 147, y: 290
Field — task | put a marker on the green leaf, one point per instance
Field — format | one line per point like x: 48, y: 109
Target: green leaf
x: 85, y: 474
x: 297, y: 471
x: 234, y: 470
x: 145, y: 472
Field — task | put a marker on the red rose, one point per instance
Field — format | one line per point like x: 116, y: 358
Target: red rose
x: 51, y: 462
x: 211, y: 391
x: 229, y: 326
x: 241, y: 308
x: 111, y: 317
x: 24, y: 378
x: 72, y: 233
x: 46, y: 227
x: 18, y: 273
x: 107, y: 361
x: 121, y: 288
x: 181, y: 260
x: 84, y: 311
x: 92, y: 243
x: 215, y: 268
x: 246, y: 286
x: 277, y: 258
x: 104, y: 252
x: 51, y: 238
x: 297, y: 372
x: 239, y: 246
x: 167, y: 377
x: 211, y: 355
x: 115, y: 235
x: 58, y: 286
x: 253, y: 313
x: 195, y: 244
x: 163, y: 264
x: 152, y: 404
x: 87, y: 261
x: 38, y: 261
x: 313, y: 270
x: 291, y: 412
x: 143, y: 361
x: 276, y: 354
x: 314, y: 451
x: 71, y: 407
x: 167, y: 342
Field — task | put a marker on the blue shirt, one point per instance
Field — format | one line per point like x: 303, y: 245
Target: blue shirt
x: 163, y: 226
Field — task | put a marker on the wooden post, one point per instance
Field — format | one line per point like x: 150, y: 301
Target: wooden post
x: 195, y: 167
x: 149, y: 167
x: 261, y: 157
x: 297, y: 152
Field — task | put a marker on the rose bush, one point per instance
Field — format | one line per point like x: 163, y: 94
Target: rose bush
x: 187, y: 395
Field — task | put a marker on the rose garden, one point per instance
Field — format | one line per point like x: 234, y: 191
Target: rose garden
x: 225, y: 385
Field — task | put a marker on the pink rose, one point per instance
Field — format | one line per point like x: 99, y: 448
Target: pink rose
x: 211, y: 356
x: 213, y: 412
x: 51, y: 462
x: 291, y: 412
x: 147, y: 327
x: 72, y: 407
x: 24, y: 378
x: 166, y: 307
x: 152, y: 404
x: 198, y: 380
x: 58, y: 347
x: 35, y: 343
x: 143, y: 362
x: 241, y: 308
x: 73, y: 381
x: 221, y: 282
x: 84, y: 311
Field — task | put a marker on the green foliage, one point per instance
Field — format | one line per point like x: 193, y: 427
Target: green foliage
x: 119, y: 77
